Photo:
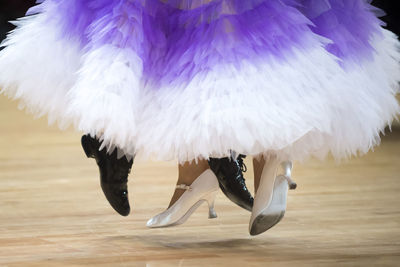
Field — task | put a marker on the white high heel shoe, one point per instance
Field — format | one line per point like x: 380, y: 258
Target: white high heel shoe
x: 204, y: 188
x: 270, y: 200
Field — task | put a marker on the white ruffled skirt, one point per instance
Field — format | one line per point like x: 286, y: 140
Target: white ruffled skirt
x: 175, y: 82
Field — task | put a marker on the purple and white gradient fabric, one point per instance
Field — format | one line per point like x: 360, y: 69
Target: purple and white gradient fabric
x: 187, y: 79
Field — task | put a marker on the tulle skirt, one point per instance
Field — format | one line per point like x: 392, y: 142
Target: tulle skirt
x: 187, y: 79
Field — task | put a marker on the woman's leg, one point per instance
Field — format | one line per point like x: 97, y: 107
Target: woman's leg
x: 258, y: 166
x: 188, y: 172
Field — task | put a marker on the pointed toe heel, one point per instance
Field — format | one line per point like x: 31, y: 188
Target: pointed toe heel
x: 203, y: 189
x: 271, y: 197
x: 274, y: 211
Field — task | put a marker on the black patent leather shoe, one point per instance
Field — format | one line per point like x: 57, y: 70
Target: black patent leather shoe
x: 113, y: 174
x: 231, y: 181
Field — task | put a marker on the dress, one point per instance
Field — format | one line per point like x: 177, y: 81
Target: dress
x: 187, y: 79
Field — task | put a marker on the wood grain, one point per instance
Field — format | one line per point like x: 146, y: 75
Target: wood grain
x: 53, y: 213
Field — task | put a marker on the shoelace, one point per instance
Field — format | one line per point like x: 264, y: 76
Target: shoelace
x: 240, y: 161
x: 243, y: 168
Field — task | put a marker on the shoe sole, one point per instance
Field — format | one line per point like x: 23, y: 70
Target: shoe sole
x: 264, y: 222
x: 274, y: 213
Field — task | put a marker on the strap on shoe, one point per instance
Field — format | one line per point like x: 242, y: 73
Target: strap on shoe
x: 184, y: 187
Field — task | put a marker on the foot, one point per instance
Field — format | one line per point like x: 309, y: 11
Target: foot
x: 271, y: 197
x: 231, y: 181
x: 203, y: 189
x: 113, y: 174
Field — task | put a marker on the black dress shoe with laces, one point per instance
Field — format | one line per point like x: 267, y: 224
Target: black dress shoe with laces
x: 113, y: 174
x: 231, y: 181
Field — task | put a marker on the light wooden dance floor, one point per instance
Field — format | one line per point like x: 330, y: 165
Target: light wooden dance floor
x: 53, y: 212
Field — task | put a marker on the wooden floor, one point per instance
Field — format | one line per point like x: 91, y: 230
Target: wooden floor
x: 53, y: 213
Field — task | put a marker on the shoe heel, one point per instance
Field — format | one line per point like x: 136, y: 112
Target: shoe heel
x: 287, y: 167
x: 210, y: 198
x: 87, y: 148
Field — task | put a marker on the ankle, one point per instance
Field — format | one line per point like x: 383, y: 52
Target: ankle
x: 188, y: 173
x: 258, y: 166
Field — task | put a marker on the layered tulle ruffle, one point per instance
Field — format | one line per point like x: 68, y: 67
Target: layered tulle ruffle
x: 181, y: 79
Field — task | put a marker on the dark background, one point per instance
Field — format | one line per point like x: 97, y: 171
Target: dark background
x: 392, y: 17
x: 12, y: 9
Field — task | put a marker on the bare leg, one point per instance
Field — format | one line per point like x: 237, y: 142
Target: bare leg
x: 188, y: 172
x: 258, y: 165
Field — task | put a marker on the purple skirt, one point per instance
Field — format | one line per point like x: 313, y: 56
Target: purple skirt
x: 187, y: 79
